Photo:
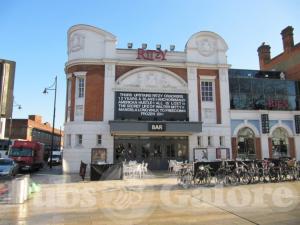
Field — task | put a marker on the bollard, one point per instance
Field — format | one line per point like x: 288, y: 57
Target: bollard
x: 26, y: 186
x: 17, y: 195
x: 20, y: 188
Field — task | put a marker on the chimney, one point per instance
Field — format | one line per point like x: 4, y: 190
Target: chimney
x: 36, y: 118
x: 287, y: 38
x: 264, y: 55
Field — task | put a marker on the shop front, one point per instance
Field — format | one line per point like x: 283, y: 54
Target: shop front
x: 156, y: 151
x: 151, y: 127
x: 137, y: 141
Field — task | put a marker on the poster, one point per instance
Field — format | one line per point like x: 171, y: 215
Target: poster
x: 222, y: 153
x: 200, y: 154
x: 98, y: 155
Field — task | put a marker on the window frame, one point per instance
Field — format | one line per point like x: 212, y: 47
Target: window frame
x: 207, y: 91
x: 99, y: 135
x: 79, y: 139
x: 210, y: 141
x: 81, y: 87
x: 222, y: 141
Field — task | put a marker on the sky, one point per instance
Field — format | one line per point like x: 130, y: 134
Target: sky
x: 33, y: 33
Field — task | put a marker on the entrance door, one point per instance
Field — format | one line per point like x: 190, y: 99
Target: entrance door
x: 156, y: 151
x: 246, y: 144
x: 280, y: 147
x: 153, y: 153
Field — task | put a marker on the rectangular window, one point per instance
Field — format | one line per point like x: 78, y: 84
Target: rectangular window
x: 207, y: 91
x: 199, y: 140
x: 210, y: 141
x: 79, y: 139
x: 80, y: 87
x: 99, y: 139
x: 69, y: 143
x: 222, y: 140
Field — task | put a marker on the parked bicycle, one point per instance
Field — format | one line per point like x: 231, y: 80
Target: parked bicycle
x: 202, y: 175
x: 237, y: 172
x: 185, y: 175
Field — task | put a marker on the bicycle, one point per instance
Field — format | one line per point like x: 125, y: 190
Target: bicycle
x: 202, y: 175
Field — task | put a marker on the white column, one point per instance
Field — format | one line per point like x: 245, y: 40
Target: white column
x: 2, y: 127
x: 224, y: 96
x: 264, y: 146
x: 192, y: 144
x: 193, y: 93
x: 109, y: 97
x: 297, y: 147
x: 109, y: 107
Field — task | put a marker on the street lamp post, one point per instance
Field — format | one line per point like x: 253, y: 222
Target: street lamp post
x: 10, y: 121
x: 53, y: 87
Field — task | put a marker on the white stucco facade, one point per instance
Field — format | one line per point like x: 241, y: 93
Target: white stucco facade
x: 203, y: 62
x: 88, y: 45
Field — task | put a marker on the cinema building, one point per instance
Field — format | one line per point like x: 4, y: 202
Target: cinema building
x: 155, y: 105
x: 142, y: 104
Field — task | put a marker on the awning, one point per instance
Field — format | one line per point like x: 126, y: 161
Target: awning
x: 154, y: 127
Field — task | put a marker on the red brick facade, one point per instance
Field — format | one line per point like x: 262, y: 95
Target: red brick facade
x: 73, y: 83
x: 258, y: 148
x: 234, y: 147
x: 288, y: 61
x: 33, y: 129
x: 292, y: 147
x: 94, y: 95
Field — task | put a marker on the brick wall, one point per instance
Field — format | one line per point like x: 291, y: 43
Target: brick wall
x: 258, y: 148
x: 94, y: 91
x: 234, y: 147
x: 94, y: 95
x: 288, y: 61
x: 292, y: 147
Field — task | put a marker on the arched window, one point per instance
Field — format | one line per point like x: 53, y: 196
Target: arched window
x: 280, y: 143
x: 246, y: 144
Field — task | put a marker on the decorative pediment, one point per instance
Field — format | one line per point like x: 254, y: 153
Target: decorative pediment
x: 151, y: 79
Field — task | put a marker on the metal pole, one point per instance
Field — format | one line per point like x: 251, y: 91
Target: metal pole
x: 10, y: 122
x: 59, y: 138
x: 53, y: 124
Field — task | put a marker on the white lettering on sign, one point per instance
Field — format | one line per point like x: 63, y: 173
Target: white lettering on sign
x: 157, y: 127
x: 151, y: 106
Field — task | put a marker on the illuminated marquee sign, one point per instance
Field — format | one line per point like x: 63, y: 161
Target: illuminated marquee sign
x: 151, y: 54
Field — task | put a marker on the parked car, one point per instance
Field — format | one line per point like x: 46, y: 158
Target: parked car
x: 56, y: 160
x: 8, y: 167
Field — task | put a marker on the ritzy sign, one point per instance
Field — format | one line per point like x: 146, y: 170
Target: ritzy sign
x: 151, y: 54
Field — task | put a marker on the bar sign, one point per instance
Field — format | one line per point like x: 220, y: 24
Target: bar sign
x: 156, y: 127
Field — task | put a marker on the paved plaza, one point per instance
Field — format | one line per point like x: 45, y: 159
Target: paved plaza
x: 155, y: 200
